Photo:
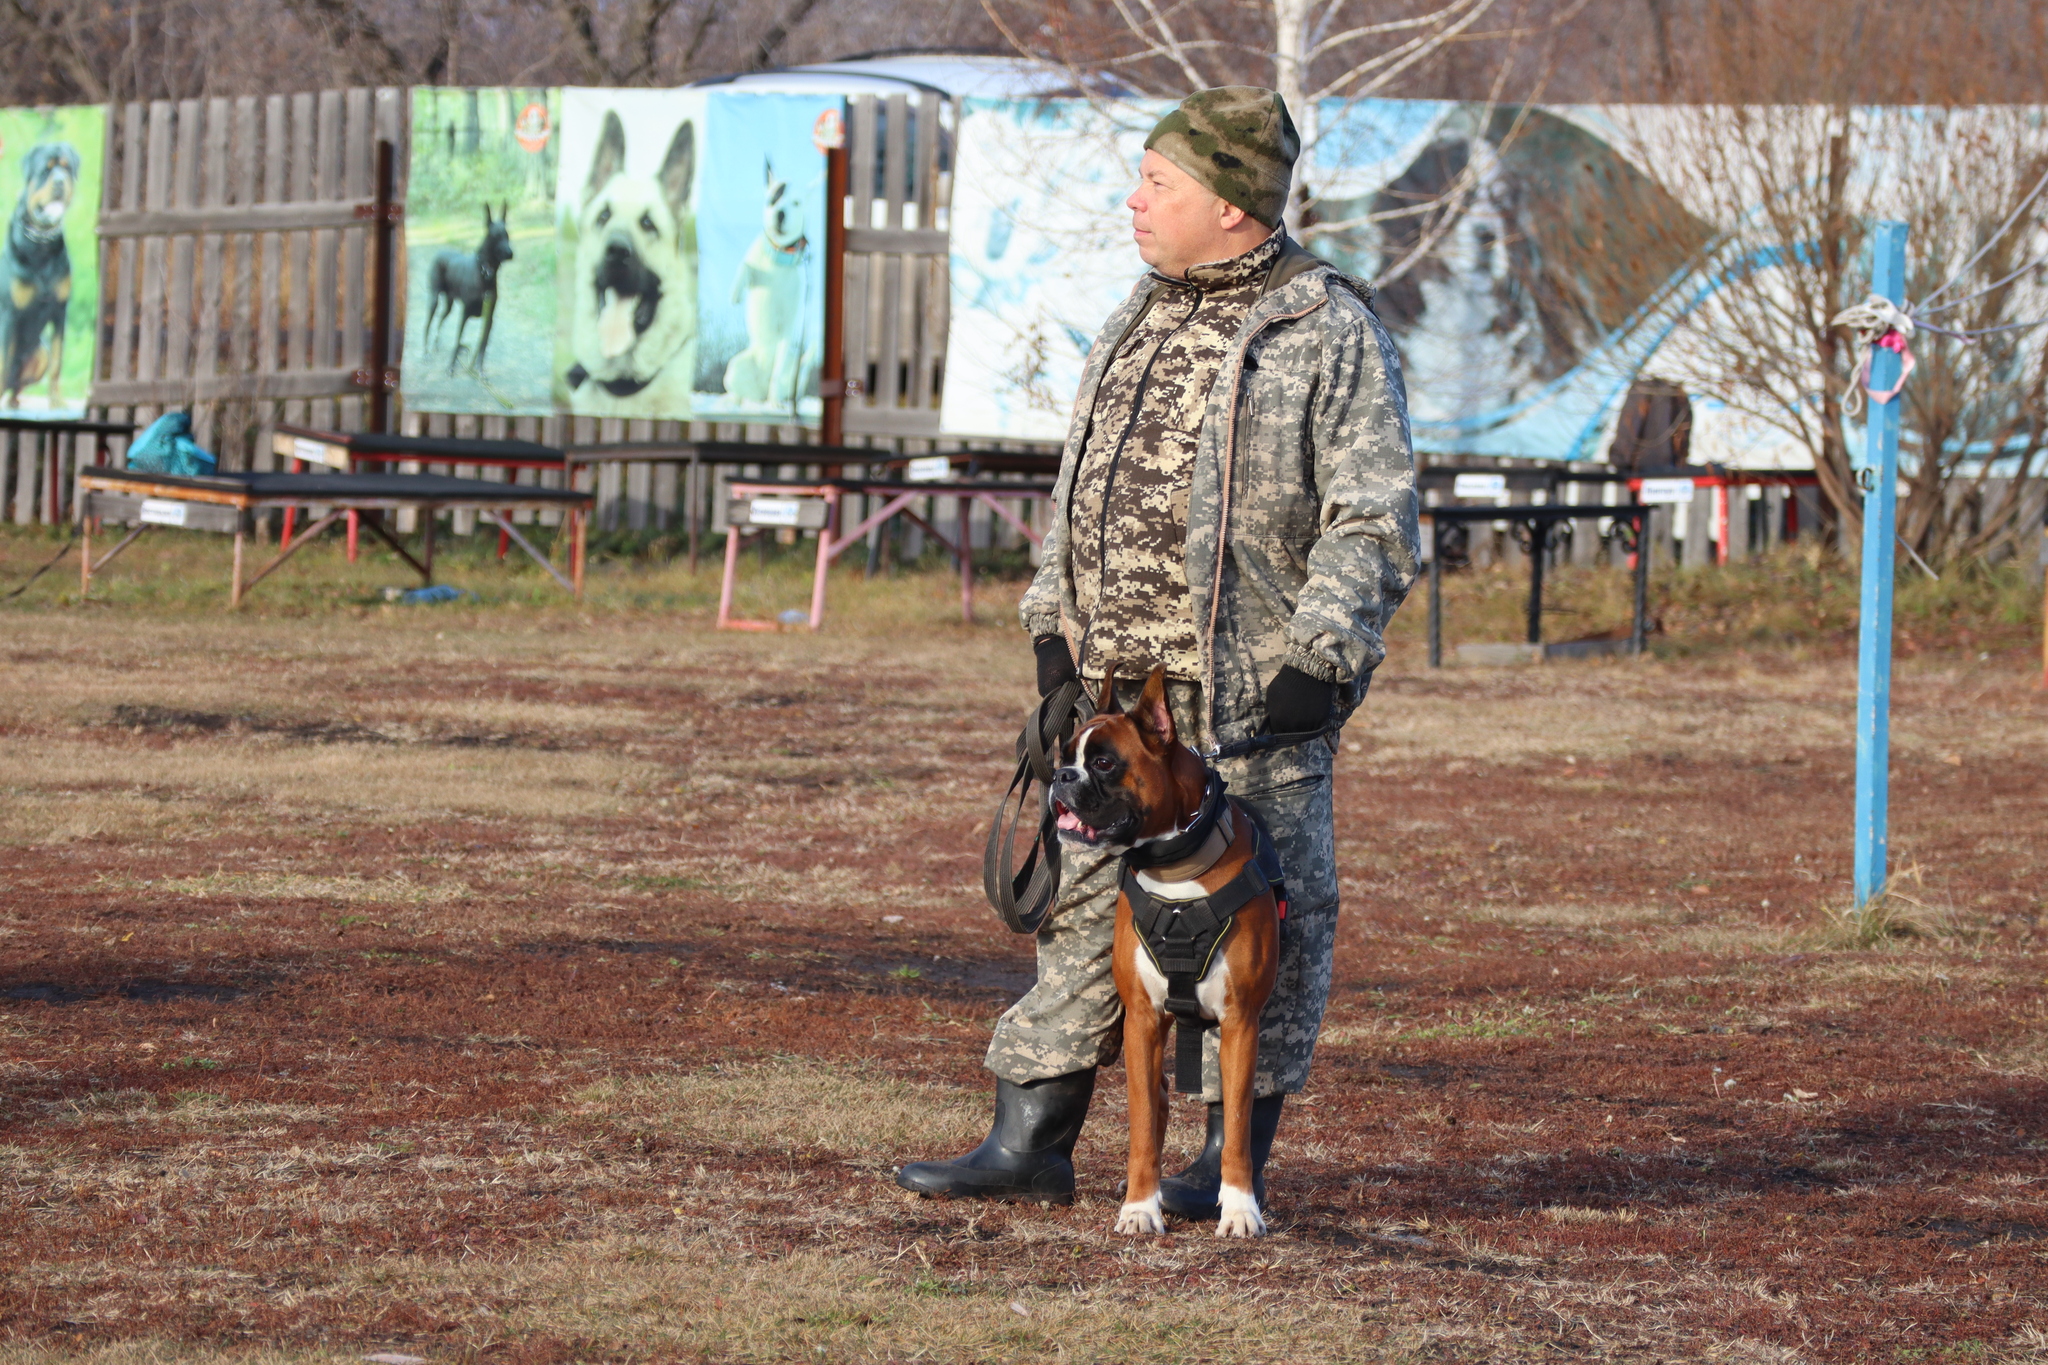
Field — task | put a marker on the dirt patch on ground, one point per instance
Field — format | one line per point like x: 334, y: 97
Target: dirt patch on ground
x: 571, y: 994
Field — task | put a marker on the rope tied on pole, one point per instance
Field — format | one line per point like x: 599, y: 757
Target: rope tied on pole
x: 1876, y: 321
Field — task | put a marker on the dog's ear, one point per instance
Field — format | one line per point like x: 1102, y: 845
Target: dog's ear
x: 679, y: 167
x: 1105, y: 705
x: 504, y: 211
x: 610, y: 157
x: 1153, y: 715
x: 487, y: 216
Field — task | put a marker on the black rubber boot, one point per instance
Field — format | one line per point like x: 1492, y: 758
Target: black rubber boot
x: 1028, y: 1154
x: 1196, y: 1192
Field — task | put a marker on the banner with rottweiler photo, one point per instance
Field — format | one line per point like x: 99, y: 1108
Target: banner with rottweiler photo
x: 480, y: 251
x: 50, y: 165
x: 690, y: 235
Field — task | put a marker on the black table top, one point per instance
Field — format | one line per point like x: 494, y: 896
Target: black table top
x: 936, y: 488
x: 440, y: 449
x: 1553, y: 511
x: 64, y: 425
x: 423, y: 488
x: 731, y: 453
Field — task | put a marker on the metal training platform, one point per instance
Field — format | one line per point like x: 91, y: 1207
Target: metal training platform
x: 1539, y: 519
x: 758, y: 505
x: 226, y: 503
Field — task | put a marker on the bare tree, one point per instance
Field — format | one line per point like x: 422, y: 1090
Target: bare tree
x: 635, y: 54
x: 1323, y: 56
x: 53, y: 32
x: 1795, y: 190
x: 71, y: 51
x: 353, y: 30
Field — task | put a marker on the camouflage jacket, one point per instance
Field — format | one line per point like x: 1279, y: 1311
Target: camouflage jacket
x: 1302, y: 536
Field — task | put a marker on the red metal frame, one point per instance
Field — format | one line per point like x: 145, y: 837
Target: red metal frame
x: 832, y: 544
x: 384, y: 457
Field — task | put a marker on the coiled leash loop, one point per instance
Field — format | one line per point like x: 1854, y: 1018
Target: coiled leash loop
x: 1025, y: 897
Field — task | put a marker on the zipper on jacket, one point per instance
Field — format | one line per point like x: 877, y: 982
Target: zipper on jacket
x: 1223, y: 517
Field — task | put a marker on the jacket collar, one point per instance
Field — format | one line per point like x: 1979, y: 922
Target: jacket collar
x: 1233, y: 273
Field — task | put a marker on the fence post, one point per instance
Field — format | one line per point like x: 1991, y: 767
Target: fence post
x: 832, y: 376
x: 383, y: 379
x: 1880, y: 517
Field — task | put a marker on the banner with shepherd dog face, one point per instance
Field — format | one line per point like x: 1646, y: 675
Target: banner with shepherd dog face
x: 691, y: 240
x: 50, y: 167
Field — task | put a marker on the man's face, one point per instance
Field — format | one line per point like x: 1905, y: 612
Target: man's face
x: 1178, y: 222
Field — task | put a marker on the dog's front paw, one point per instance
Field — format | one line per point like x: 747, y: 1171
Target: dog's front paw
x: 1241, y: 1216
x: 1142, y: 1217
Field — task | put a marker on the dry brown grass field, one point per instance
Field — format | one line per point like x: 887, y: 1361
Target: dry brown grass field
x: 513, y: 981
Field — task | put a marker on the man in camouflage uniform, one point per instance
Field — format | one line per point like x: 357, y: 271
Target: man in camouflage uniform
x: 1236, y: 502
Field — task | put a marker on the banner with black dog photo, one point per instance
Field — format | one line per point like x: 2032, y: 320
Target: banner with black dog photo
x: 50, y: 164
x: 480, y: 251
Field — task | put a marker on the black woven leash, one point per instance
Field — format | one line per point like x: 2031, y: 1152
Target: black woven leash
x: 1262, y: 744
x: 1024, y: 897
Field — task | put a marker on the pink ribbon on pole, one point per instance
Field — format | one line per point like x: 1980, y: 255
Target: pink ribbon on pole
x: 1891, y: 341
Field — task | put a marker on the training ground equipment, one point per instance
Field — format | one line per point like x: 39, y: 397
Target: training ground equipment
x: 227, y: 503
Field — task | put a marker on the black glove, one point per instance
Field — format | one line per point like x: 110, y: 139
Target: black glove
x: 1297, y: 703
x: 1055, y: 663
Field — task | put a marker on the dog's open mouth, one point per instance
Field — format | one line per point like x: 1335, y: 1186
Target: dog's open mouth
x: 628, y: 293
x: 1075, y: 830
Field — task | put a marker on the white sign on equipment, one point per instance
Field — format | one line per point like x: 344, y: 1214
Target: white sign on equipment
x: 774, y: 511
x: 310, y: 451
x: 162, y: 512
x: 1480, y: 486
x: 1662, y: 491
x: 928, y: 469
x: 319, y: 452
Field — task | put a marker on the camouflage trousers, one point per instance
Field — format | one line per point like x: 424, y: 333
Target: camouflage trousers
x: 1072, y: 1018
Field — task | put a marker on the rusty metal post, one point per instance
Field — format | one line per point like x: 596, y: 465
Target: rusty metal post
x: 381, y: 378
x: 832, y: 377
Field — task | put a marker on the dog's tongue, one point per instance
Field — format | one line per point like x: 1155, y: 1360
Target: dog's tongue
x: 615, y: 331
x: 1069, y: 820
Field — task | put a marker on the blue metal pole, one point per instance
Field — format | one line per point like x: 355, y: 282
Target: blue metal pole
x: 1880, y: 522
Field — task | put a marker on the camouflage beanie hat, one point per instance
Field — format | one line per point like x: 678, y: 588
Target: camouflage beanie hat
x: 1238, y: 141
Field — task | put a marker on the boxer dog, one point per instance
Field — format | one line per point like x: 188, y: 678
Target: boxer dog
x: 1127, y: 782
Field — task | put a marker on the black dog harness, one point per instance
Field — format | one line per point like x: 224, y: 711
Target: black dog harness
x: 1181, y: 936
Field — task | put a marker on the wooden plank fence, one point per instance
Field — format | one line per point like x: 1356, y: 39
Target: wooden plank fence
x: 235, y: 246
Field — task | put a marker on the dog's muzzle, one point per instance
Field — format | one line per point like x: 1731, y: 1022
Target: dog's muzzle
x: 1085, y: 814
x: 628, y: 294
